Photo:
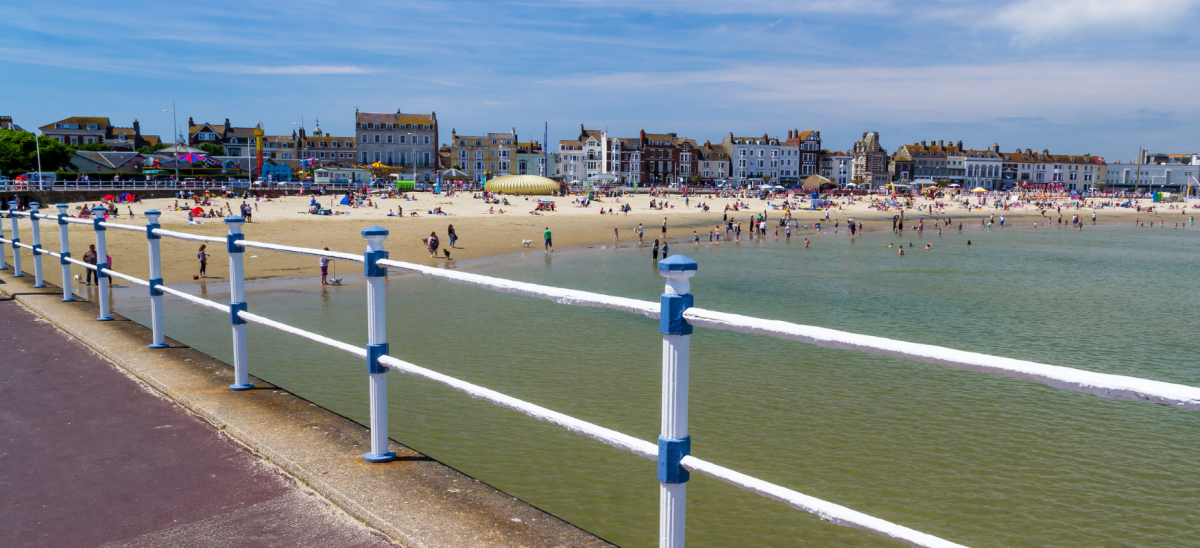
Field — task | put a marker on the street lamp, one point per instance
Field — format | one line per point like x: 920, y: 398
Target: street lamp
x: 175, y: 123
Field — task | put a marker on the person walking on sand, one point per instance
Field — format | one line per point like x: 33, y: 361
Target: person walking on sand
x: 452, y: 235
x: 324, y: 263
x: 433, y: 244
x: 616, y: 234
x: 664, y: 230
x: 548, y: 244
x: 89, y: 257
x: 203, y: 256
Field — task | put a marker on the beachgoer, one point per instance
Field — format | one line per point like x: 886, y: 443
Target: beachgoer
x: 203, y: 256
x: 452, y: 235
x: 432, y: 244
x: 89, y: 257
x: 654, y: 252
x: 324, y: 263
x: 548, y: 244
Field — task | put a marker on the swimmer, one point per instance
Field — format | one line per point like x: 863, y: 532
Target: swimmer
x: 891, y: 245
x: 910, y: 244
x: 806, y: 242
x: 968, y: 242
x: 901, y: 251
x: 928, y: 247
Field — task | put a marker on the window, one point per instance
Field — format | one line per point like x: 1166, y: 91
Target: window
x: 362, y: 138
x: 389, y: 138
x: 403, y: 139
x: 427, y: 139
x: 323, y: 143
x: 364, y: 157
x: 390, y: 158
x: 376, y: 156
x: 377, y: 140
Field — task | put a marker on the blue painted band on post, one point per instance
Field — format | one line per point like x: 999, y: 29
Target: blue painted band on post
x: 96, y: 224
x: 670, y: 452
x: 234, y: 308
x: 677, y: 263
x: 670, y: 320
x: 376, y: 458
x: 37, y: 249
x: 374, y: 351
x: 371, y: 268
x: 154, y: 290
x: 150, y: 235
x: 62, y: 219
x: 231, y: 243
x: 15, y: 241
x: 100, y: 273
x: 62, y: 257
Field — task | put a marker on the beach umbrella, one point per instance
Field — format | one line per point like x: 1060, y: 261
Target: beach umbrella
x: 127, y: 197
x: 197, y: 211
x: 978, y: 189
x: 108, y: 198
x: 191, y: 157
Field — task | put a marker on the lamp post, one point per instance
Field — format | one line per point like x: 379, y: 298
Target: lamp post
x: 175, y: 123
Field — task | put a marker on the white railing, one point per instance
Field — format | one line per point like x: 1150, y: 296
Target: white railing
x: 676, y: 319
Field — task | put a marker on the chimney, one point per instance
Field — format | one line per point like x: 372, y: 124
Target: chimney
x: 789, y: 134
x: 227, y: 123
x: 941, y: 143
x: 960, y: 145
x: 190, y: 122
x: 922, y: 143
x: 996, y: 148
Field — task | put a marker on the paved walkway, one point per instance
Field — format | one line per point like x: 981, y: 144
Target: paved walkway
x: 89, y: 457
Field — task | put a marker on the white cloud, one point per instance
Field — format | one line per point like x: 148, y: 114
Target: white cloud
x: 943, y: 93
x: 288, y: 69
x: 1034, y: 21
x: 775, y: 7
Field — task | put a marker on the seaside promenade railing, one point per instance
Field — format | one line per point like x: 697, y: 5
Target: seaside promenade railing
x: 676, y: 316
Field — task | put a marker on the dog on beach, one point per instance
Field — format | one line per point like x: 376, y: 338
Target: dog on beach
x: 526, y: 243
x: 78, y: 278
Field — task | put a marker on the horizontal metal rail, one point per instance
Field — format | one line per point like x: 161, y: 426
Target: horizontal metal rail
x: 1077, y: 380
x: 301, y: 250
x: 559, y: 295
x: 186, y: 236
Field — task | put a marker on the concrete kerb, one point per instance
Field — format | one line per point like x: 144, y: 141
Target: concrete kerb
x: 318, y: 447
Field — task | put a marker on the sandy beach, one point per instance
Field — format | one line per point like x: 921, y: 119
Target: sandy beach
x: 482, y: 234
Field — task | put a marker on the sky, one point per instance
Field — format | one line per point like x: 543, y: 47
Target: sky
x: 1102, y: 77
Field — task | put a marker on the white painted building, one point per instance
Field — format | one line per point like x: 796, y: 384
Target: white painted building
x: 755, y: 158
x: 982, y: 168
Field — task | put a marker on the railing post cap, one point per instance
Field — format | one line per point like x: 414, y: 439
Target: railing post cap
x: 62, y: 207
x: 235, y: 220
x: 14, y: 203
x: 34, y: 205
x: 677, y: 264
x: 152, y: 215
x: 374, y: 232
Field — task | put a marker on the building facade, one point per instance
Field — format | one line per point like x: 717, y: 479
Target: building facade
x: 870, y: 163
x: 484, y: 156
x: 328, y: 150
x: 713, y: 163
x: 983, y: 168
x: 927, y: 160
x: 755, y: 159
x: 408, y: 141
x: 1161, y: 177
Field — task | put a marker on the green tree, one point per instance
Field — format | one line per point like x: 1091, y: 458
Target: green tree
x: 766, y: 179
x: 19, y: 153
x: 213, y: 149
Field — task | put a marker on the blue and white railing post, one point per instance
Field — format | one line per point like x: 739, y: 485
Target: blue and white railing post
x: 38, y: 281
x: 237, y: 303
x: 674, y: 442
x: 101, y: 263
x: 377, y: 342
x: 64, y: 251
x: 156, y: 294
x: 16, y: 238
x: 3, y: 263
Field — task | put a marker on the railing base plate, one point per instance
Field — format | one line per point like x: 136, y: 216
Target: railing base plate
x: 377, y: 458
x: 241, y: 387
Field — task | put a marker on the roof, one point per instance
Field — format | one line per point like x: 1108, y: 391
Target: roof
x: 110, y: 159
x: 395, y: 118
x: 81, y: 120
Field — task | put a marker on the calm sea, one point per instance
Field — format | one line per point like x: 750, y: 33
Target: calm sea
x: 976, y: 459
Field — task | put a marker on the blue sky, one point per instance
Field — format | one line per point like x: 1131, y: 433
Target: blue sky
x: 1078, y: 76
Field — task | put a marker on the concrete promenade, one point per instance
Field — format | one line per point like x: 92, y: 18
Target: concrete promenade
x: 91, y: 457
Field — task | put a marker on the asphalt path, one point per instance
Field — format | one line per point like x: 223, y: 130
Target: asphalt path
x: 90, y: 457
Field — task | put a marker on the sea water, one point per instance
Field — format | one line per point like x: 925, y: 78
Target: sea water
x: 970, y: 457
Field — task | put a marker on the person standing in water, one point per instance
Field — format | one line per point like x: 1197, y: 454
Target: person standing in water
x: 450, y: 233
x: 548, y: 244
x: 654, y: 251
x: 324, y: 264
x: 639, y: 233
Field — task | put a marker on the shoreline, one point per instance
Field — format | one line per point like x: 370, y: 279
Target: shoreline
x: 482, y: 235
